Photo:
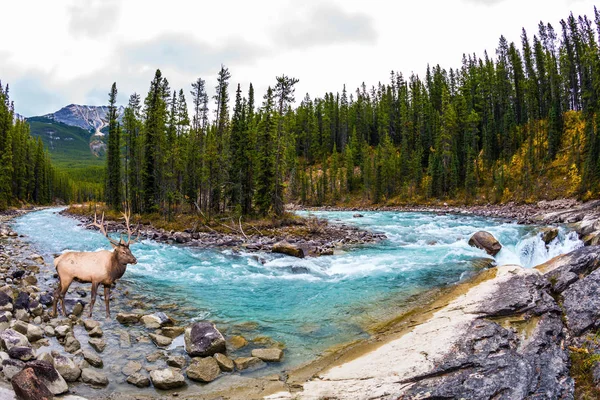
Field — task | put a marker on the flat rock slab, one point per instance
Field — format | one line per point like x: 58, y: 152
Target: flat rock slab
x: 167, y: 379
x: 269, y: 355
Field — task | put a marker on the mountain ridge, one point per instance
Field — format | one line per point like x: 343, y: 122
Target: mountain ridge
x: 90, y: 118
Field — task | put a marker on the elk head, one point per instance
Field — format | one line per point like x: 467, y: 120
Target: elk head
x: 122, y: 252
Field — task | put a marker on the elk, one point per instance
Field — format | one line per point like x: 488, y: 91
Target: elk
x: 95, y: 267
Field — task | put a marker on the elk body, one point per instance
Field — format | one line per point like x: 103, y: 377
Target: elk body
x: 98, y: 267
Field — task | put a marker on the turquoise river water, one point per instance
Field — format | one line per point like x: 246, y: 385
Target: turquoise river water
x: 333, y: 300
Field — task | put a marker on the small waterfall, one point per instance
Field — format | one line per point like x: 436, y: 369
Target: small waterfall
x: 532, y: 250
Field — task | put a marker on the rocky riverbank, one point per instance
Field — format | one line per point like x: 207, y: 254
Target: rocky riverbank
x: 43, y: 356
x: 307, y: 237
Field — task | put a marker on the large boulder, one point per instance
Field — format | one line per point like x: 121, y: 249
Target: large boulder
x: 93, y: 377
x: 203, y: 339
x: 10, y: 338
x: 564, y: 270
x: 284, y: 247
x: 66, y: 367
x: 166, y: 379
x: 485, y: 241
x: 49, y: 376
x: 28, y: 386
x: 203, y: 369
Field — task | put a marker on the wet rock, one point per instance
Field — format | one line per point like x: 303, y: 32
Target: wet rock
x: 62, y: 331
x: 96, y: 332
x: 22, y: 301
x: 66, y: 367
x: 159, y: 340
x: 203, y: 339
x: 28, y: 386
x: 22, y: 315
x: 45, y: 356
x: 49, y: 331
x: 172, y: 331
x: 485, y: 241
x: 237, y: 342
x: 176, y: 361
x: 225, y: 363
x: 93, y: 359
x: 77, y: 309
x: 18, y: 274
x: 97, y: 344
x: 131, y: 368
x: 157, y: 355
x: 564, y: 270
x: 139, y: 380
x: 357, y: 215
x: 46, y: 299
x: 34, y: 333
x: 549, y: 234
x: 10, y: 338
x: 6, y: 302
x: 11, y: 367
x: 288, y: 249
x: 90, y: 324
x: 72, y: 344
x: 30, y: 280
x: 21, y: 353
x: 270, y: 355
x: 124, y: 340
x: 251, y: 363
x: 166, y: 379
x: 93, y: 377
x: 128, y: 319
x: 156, y: 320
x: 49, y: 376
x: 203, y: 369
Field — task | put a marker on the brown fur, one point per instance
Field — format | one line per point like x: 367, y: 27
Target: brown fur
x: 98, y: 267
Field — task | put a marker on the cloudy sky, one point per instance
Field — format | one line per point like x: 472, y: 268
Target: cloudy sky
x: 54, y: 53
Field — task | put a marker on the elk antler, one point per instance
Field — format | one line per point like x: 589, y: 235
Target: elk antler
x: 127, y: 215
x: 102, y: 228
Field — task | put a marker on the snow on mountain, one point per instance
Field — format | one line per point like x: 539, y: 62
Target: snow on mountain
x: 90, y: 118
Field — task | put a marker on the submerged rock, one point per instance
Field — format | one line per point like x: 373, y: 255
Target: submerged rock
x: 251, y: 363
x: 203, y: 339
x: 485, y: 241
x: 139, y: 380
x: 93, y: 377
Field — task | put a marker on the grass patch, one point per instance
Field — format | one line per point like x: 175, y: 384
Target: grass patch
x: 583, y: 361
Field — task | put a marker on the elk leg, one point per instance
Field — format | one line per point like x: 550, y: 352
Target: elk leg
x: 106, y: 299
x: 64, y: 287
x: 93, y: 299
x: 55, y: 299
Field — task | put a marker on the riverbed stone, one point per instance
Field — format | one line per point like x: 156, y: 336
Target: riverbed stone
x: 21, y: 353
x: 11, y: 367
x: 96, y: 332
x: 156, y: 320
x: 172, y: 331
x: 93, y: 359
x: 485, y: 241
x: 131, y: 368
x: 270, y: 355
x: 157, y: 355
x: 6, y: 302
x: 49, y: 331
x: 203, y: 369
x: 289, y: 249
x: 176, y: 361
x: 252, y: 363
x: 22, y: 301
x: 62, y: 331
x: 548, y: 235
x: 49, y: 376
x: 94, y: 377
x: 124, y: 339
x: 160, y: 341
x: 77, y: 309
x: 128, y: 318
x: 139, y: 380
x: 90, y: 324
x: 203, y: 339
x: 166, y: 379
x: 225, y: 363
x: 72, y: 344
x: 237, y: 342
x: 97, y: 344
x: 34, y: 333
x: 28, y: 386
x: 22, y: 315
x: 10, y: 338
x: 66, y: 367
